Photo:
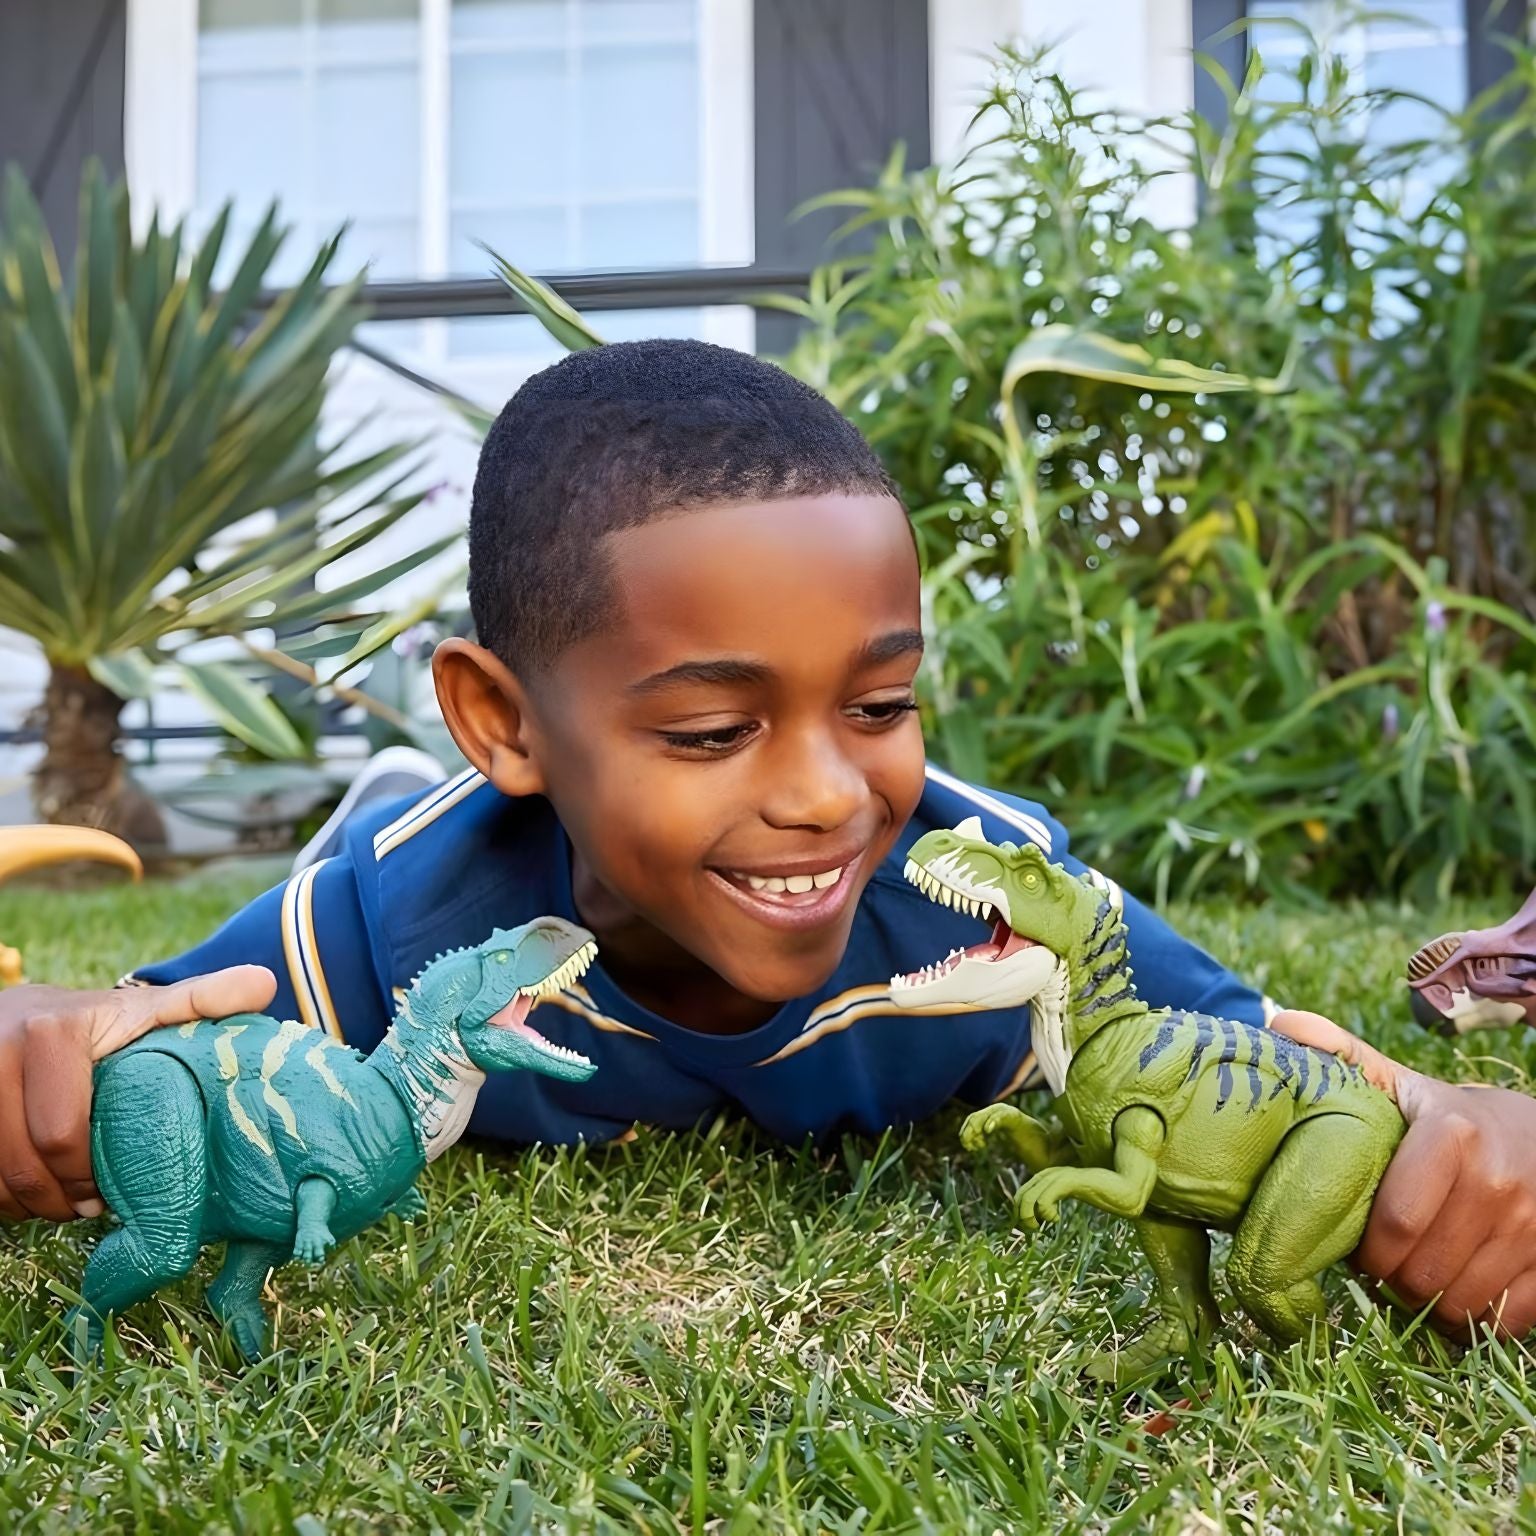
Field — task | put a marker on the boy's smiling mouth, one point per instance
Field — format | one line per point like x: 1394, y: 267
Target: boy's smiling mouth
x: 791, y: 893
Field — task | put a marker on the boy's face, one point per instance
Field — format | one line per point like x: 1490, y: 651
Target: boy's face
x: 735, y: 753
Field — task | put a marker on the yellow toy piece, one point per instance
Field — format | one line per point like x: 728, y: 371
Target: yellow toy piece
x: 23, y: 848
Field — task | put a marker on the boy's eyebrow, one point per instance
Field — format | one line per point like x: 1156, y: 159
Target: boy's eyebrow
x: 732, y: 669
x: 727, y: 669
x: 900, y: 642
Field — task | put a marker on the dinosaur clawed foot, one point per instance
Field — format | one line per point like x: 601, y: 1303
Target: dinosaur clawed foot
x: 249, y: 1328
x: 1164, y: 1339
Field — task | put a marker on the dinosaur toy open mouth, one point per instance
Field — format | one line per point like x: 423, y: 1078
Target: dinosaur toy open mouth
x: 1003, y: 944
x: 1005, y: 969
x: 514, y: 1016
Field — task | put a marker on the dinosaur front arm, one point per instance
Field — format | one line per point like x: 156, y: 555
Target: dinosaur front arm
x: 1123, y: 1190
x: 1034, y: 1144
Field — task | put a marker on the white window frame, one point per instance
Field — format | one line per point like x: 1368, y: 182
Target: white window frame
x: 160, y: 140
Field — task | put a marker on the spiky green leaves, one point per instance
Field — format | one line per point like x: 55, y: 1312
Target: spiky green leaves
x: 144, y: 417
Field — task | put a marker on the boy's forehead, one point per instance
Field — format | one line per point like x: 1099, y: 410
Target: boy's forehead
x: 762, y: 578
x: 717, y: 563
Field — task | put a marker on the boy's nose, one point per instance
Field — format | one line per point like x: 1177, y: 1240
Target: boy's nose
x: 813, y: 785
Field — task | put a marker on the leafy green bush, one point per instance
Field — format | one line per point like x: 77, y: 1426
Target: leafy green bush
x: 1274, y: 637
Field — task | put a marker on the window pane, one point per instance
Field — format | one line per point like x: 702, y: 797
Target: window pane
x: 639, y: 234
x: 573, y: 133
x: 521, y: 337
x: 366, y: 10
x: 387, y: 247
x: 639, y: 120
x: 367, y: 148
x: 509, y: 133
x: 640, y: 19
x: 322, y: 114
x: 217, y: 14
x: 232, y: 159
x: 518, y: 21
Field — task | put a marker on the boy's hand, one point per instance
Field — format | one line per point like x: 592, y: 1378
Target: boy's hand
x: 49, y: 1039
x: 1455, y: 1213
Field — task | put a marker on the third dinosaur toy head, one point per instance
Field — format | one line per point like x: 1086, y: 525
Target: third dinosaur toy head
x: 1477, y: 980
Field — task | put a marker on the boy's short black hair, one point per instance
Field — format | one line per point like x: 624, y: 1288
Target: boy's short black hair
x: 613, y: 437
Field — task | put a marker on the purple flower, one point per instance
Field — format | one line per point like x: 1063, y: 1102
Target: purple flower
x: 417, y: 642
x: 1434, y: 618
x: 1389, y: 723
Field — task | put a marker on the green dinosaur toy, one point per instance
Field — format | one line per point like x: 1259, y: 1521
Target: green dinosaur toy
x: 281, y: 1141
x: 1179, y: 1121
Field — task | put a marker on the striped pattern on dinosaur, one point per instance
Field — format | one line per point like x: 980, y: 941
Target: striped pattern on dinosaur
x: 1235, y: 1047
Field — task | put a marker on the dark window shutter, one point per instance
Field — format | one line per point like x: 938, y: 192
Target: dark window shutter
x: 838, y: 82
x: 61, y: 98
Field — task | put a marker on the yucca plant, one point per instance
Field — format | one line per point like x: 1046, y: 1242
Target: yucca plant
x: 162, y: 480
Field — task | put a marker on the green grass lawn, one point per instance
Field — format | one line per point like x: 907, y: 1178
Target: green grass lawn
x: 710, y: 1332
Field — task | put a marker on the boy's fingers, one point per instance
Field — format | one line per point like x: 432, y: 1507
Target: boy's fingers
x: 125, y: 1015
x: 30, y: 1190
x: 236, y: 989
x: 1434, y: 1266
x: 1414, y: 1187
x: 1482, y: 1291
x: 57, y: 1094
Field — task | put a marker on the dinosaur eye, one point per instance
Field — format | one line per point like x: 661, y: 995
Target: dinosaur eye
x: 1031, y: 881
x: 501, y: 957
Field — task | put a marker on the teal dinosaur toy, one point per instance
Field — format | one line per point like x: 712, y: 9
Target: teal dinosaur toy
x: 281, y: 1141
x: 1178, y: 1121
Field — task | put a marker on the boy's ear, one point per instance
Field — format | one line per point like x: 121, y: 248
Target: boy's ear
x: 486, y: 711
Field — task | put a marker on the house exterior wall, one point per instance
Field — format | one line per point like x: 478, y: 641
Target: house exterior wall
x: 1133, y: 55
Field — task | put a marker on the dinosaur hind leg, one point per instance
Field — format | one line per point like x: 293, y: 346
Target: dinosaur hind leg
x: 150, y: 1155
x: 236, y: 1295
x: 1308, y: 1212
x: 1180, y: 1255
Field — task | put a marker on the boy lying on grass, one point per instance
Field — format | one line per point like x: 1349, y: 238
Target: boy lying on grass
x: 692, y: 730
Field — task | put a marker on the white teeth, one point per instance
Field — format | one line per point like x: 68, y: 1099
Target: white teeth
x: 794, y: 885
x: 559, y: 979
x: 951, y: 896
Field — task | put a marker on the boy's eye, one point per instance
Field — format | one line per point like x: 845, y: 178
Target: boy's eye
x: 884, y: 711
x: 720, y: 739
